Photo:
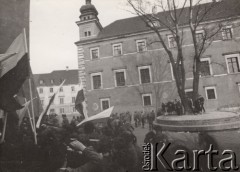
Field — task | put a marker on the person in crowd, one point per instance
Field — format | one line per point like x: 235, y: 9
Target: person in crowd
x: 164, y: 110
x: 135, y: 119
x: 178, y: 107
x: 92, y: 158
x: 151, y: 118
x: 143, y: 119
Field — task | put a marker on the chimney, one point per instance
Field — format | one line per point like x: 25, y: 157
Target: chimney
x: 67, y: 68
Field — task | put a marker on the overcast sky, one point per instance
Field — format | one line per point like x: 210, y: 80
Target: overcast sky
x: 53, y: 30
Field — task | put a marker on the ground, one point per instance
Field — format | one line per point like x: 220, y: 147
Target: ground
x: 140, y: 134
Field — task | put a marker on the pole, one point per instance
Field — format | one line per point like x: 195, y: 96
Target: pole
x: 4, y: 127
x: 33, y: 115
x: 30, y: 118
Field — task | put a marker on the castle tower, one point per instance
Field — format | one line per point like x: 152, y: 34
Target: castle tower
x: 89, y: 25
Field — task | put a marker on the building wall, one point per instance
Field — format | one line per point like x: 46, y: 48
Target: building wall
x: 163, y: 86
x: 67, y: 94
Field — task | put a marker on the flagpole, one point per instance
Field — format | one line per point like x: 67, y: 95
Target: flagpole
x: 4, y: 127
x: 33, y: 115
x: 30, y: 118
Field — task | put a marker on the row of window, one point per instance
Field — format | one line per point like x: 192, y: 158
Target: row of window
x: 117, y: 49
x: 62, y: 110
x: 227, y: 34
x: 145, y: 75
x: 210, y: 92
x: 61, y: 100
x: 120, y: 77
x: 52, y: 81
x: 146, y: 99
x: 51, y: 90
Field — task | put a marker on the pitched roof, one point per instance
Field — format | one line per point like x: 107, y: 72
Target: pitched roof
x: 223, y: 9
x: 70, y: 77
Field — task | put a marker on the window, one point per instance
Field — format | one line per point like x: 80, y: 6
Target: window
x: 205, y: 67
x: 141, y: 45
x: 87, y: 33
x: 73, y: 99
x: 154, y: 24
x: 41, y: 82
x: 72, y: 88
x: 52, y: 110
x: 144, y: 74
x: 120, y: 77
x: 96, y: 81
x: 73, y: 109
x: 42, y: 101
x: 171, y: 41
x: 211, y: 93
x: 227, y: 33
x: 94, y: 53
x: 105, y: 103
x: 61, y: 100
x: 117, y: 49
x: 51, y: 90
x: 61, y: 110
x: 147, y: 99
x: 40, y: 90
x: 232, y: 63
x: 199, y: 35
x: 61, y: 89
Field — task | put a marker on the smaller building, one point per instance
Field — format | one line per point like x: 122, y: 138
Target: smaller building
x: 48, y: 83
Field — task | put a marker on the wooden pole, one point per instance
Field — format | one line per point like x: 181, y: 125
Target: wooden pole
x: 4, y: 128
x: 30, y: 118
x: 33, y: 115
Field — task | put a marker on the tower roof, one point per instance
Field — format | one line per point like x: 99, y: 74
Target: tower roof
x: 88, y: 8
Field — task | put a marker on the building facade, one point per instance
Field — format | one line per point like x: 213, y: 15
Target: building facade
x: 120, y: 66
x: 64, y: 102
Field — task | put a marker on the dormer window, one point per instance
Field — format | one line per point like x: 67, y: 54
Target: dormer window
x: 154, y: 23
x: 41, y: 82
x: 52, y: 81
x: 87, y: 33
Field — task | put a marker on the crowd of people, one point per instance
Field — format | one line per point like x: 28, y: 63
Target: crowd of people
x: 176, y: 108
x: 111, y: 146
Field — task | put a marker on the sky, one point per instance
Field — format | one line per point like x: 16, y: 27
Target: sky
x: 53, y: 30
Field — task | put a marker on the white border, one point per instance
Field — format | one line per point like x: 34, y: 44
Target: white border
x: 230, y: 56
x: 115, y: 79
x: 215, y: 92
x: 139, y: 73
x: 145, y: 95
x: 105, y: 99
x: 95, y: 48
x: 114, y: 45
x: 139, y: 41
x: 95, y: 74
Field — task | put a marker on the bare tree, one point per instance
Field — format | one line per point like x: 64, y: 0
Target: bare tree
x: 181, y: 18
